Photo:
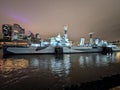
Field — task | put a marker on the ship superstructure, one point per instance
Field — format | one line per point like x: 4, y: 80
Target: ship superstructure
x: 61, y: 40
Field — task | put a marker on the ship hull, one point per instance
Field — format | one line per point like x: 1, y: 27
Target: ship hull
x: 46, y: 50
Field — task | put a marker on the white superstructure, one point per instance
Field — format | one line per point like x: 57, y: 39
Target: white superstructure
x: 60, y: 40
x: 82, y: 41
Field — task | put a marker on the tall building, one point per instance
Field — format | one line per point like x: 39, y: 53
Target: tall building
x: 7, y: 32
x: 17, y: 32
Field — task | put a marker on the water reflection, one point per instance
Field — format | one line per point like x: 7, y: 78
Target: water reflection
x: 13, y: 65
x: 56, y: 64
x: 96, y: 59
x: 61, y: 66
x: 58, y: 70
x: 118, y: 56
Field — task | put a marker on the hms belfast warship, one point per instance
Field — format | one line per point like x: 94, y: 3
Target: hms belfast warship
x: 55, y: 45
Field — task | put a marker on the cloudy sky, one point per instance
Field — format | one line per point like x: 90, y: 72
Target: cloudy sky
x: 48, y: 17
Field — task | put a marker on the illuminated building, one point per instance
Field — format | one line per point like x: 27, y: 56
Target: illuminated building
x: 12, y: 32
x: 17, y: 32
x: 7, y: 32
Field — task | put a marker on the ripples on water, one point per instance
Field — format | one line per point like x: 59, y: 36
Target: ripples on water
x: 48, y: 71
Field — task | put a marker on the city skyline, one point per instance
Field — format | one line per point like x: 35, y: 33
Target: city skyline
x: 48, y: 17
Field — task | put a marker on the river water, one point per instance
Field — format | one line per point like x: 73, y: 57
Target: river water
x: 43, y: 72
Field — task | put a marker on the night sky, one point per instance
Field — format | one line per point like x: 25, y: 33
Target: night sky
x: 48, y: 17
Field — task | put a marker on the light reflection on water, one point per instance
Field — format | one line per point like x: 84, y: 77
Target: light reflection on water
x: 57, y: 70
x: 61, y: 66
x: 13, y: 65
x: 96, y: 60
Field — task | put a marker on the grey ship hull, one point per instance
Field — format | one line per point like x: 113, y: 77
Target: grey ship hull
x: 46, y: 50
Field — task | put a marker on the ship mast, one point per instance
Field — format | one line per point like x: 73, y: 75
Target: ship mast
x: 91, y: 39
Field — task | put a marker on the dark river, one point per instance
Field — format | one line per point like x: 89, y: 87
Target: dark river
x: 50, y: 72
